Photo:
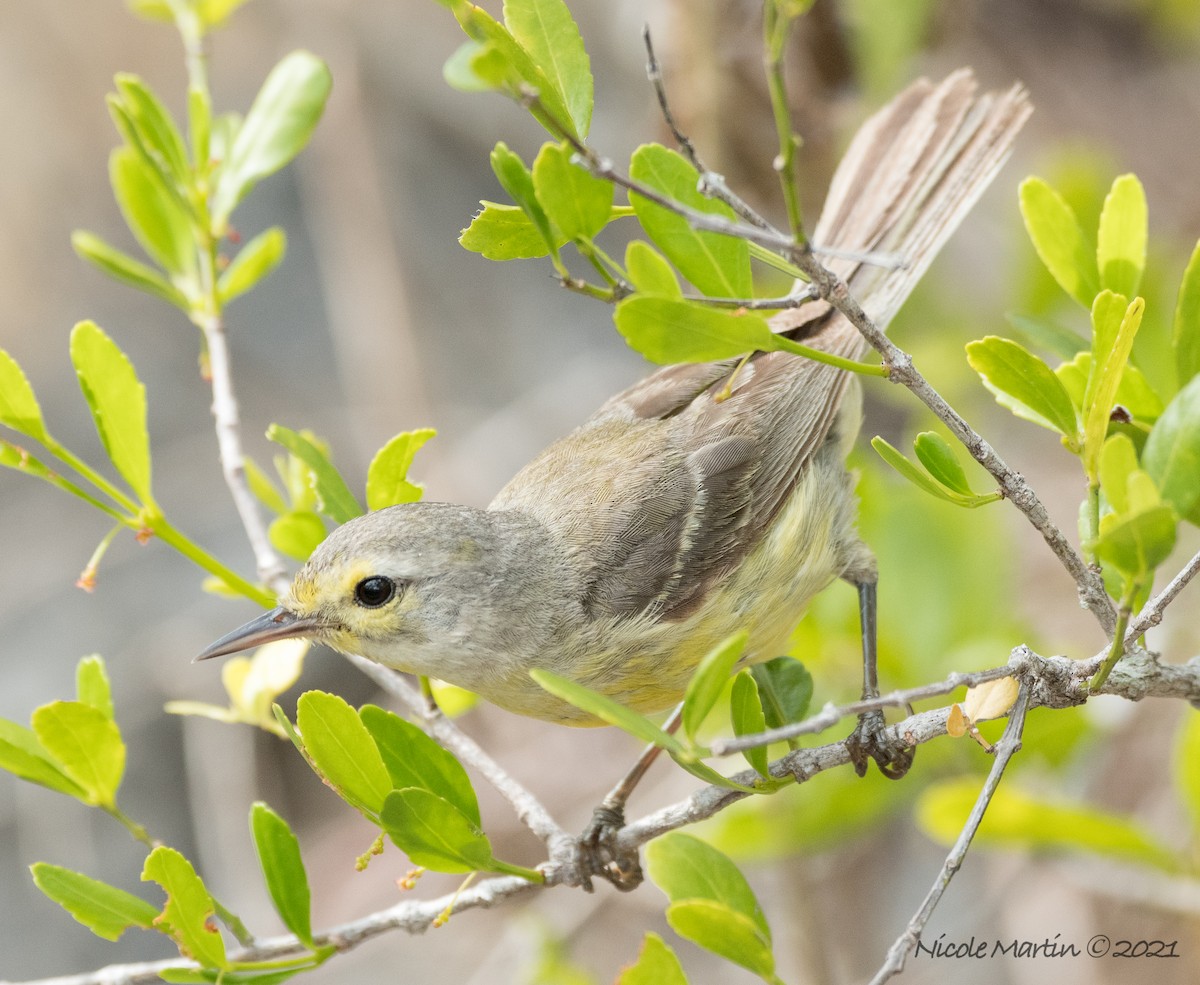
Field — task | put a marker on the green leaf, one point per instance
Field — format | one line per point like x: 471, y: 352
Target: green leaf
x: 24, y: 756
x: 297, y: 533
x: 718, y: 265
x: 546, y: 30
x: 649, y: 271
x: 459, y: 69
x: 709, y: 680
x: 1059, y: 240
x: 333, y: 495
x: 279, y: 124
x: 283, y: 869
x: 153, y: 215
x: 124, y: 268
x: 606, y: 709
x: 579, y: 204
x: 1186, y: 327
x: 924, y: 480
x: 254, y: 262
x: 785, y: 687
x: 686, y: 868
x: 1118, y: 461
x: 1137, y: 544
x: 91, y: 684
x: 1036, y: 393
x: 263, y: 488
x: 505, y: 232
x: 189, y: 911
x: 517, y: 180
x: 666, y: 331
x: 117, y: 400
x: 19, y: 408
x: 1110, y: 355
x: 725, y: 932
x: 1172, y: 452
x: 342, y: 751
x: 1121, y: 240
x: 105, y: 910
x: 1134, y: 393
x: 941, y: 462
x: 413, y: 759
x: 200, y: 126
x: 656, y: 965
x: 387, y: 475
x: 1015, y: 819
x: 86, y: 744
x: 746, y: 714
x: 434, y: 833
x: 159, y: 136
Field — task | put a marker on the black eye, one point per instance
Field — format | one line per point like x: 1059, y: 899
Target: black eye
x: 374, y: 591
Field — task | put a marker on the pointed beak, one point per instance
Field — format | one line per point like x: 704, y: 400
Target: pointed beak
x: 278, y: 624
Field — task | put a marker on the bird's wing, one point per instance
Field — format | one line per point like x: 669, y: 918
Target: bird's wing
x: 666, y: 488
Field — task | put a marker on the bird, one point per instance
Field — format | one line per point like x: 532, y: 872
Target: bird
x: 704, y: 500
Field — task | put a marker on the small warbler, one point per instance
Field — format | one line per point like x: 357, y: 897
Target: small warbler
x: 706, y: 499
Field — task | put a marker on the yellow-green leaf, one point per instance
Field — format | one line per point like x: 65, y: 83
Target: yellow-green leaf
x: 188, y: 914
x: 1121, y: 240
x: 105, y: 910
x: 86, y: 744
x: 1059, y: 240
x: 19, y: 408
x: 387, y: 475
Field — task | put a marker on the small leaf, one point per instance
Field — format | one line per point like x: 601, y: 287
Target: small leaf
x: 263, y: 488
x: 188, y: 914
x: 649, y: 271
x: 86, y: 744
x: 709, y: 680
x: 297, y: 533
x: 579, y: 204
x: 413, y: 759
x: 387, y: 475
x: 333, y: 495
x: 19, y: 408
x: 117, y: 400
x: 1059, y: 240
x: 746, y: 715
x: 1172, y: 452
x: 279, y: 124
x: 718, y: 265
x: 989, y: 700
x: 606, y: 709
x: 24, y: 756
x: 91, y: 684
x: 1118, y: 461
x: 686, y: 868
x: 253, y: 263
x: 342, y: 751
x: 434, y: 833
x: 517, y: 180
x: 940, y: 461
x: 1037, y: 394
x: 725, y: 932
x: 105, y: 910
x: 546, y: 30
x: 666, y: 331
x: 785, y: 687
x: 656, y: 965
x: 505, y: 232
x: 1121, y: 240
x: 283, y: 869
x: 154, y: 216
x: 159, y: 136
x: 1137, y: 544
x: 124, y: 268
x: 459, y: 69
x: 1186, y: 329
x: 1109, y: 358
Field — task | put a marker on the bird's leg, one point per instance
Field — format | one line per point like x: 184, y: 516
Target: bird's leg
x: 867, y: 741
x: 598, y: 840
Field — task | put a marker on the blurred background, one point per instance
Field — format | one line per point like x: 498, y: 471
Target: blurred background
x: 379, y: 322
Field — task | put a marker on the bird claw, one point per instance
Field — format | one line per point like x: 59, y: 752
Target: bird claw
x: 869, y: 740
x: 601, y: 855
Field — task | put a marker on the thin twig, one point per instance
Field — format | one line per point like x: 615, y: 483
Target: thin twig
x: 1152, y: 614
x: 1009, y: 744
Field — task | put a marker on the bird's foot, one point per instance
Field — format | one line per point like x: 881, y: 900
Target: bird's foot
x: 603, y: 857
x: 870, y: 740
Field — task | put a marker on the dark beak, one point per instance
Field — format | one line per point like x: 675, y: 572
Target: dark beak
x: 278, y: 624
